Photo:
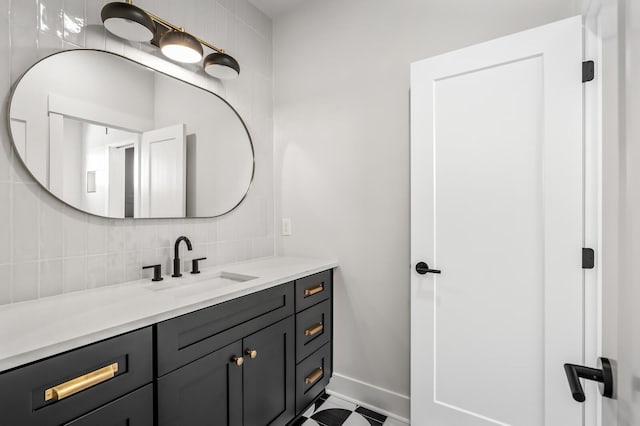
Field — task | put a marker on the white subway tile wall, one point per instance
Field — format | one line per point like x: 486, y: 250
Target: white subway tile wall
x: 48, y: 248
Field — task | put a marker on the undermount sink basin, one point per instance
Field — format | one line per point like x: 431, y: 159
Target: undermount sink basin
x: 194, y: 284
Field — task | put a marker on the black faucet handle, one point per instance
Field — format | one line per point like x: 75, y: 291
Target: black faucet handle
x: 195, y: 267
x: 157, y: 272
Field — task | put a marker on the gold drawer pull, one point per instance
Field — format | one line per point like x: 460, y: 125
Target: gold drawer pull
x: 313, y: 290
x: 81, y: 383
x: 313, y: 377
x: 314, y: 330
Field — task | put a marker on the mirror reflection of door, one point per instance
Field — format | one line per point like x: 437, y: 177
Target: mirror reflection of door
x: 118, y: 173
x: 87, y: 166
x: 163, y: 172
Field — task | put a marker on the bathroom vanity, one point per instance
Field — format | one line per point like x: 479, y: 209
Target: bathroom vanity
x: 247, y: 344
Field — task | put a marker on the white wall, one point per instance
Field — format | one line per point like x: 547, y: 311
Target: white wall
x: 341, y: 98
x: 620, y: 25
x: 47, y: 248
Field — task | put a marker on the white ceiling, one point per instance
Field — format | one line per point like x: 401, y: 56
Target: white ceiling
x: 274, y: 8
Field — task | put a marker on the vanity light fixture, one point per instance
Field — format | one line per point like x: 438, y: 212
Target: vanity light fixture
x: 130, y: 22
x: 181, y: 47
x: 221, y: 65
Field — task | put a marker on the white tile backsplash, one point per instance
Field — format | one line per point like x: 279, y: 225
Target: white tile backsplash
x: 115, y: 268
x: 5, y: 151
x: 5, y: 224
x: 233, y: 251
x: 50, y: 277
x: 5, y: 284
x: 74, y: 21
x: 96, y: 271
x: 75, y: 233
x: 74, y: 274
x: 50, y: 17
x: 46, y: 247
x: 51, y: 230
x: 25, y: 221
x: 97, y: 230
x: 24, y: 285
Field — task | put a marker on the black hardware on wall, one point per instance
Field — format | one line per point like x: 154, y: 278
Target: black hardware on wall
x: 588, y: 258
x: 422, y: 268
x: 604, y: 375
x: 588, y: 71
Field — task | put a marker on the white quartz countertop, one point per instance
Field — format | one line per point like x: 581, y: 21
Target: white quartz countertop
x: 33, y: 330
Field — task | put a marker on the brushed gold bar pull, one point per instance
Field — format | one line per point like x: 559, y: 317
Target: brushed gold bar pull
x: 81, y: 383
x: 314, y: 330
x: 313, y: 377
x: 313, y: 290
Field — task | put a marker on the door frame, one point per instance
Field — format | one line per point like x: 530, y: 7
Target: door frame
x: 592, y: 136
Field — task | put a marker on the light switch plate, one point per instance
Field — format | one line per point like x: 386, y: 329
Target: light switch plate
x: 286, y: 226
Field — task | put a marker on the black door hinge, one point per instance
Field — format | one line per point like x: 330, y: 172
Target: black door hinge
x: 588, y: 71
x: 588, y: 258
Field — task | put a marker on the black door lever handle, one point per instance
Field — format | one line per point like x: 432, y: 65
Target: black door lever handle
x: 422, y: 268
x: 604, y: 375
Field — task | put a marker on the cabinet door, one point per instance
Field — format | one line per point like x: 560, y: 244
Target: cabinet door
x: 135, y: 409
x: 206, y: 392
x: 269, y: 377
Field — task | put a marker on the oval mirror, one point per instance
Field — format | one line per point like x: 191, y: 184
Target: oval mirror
x: 115, y: 138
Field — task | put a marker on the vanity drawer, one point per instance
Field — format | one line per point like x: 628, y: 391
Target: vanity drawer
x: 313, y: 289
x: 135, y: 409
x: 312, y: 376
x: 64, y: 387
x: 313, y: 329
x: 189, y: 337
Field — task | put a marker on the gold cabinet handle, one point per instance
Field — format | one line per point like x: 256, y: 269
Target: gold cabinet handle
x: 251, y: 353
x: 237, y: 360
x: 313, y: 377
x: 314, y: 329
x: 81, y: 383
x: 313, y: 290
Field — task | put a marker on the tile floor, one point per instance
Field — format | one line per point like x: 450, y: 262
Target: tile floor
x: 332, y: 411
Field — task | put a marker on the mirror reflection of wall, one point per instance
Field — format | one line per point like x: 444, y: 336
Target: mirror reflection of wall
x: 114, y: 138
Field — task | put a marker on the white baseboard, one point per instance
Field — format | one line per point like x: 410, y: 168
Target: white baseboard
x: 383, y: 401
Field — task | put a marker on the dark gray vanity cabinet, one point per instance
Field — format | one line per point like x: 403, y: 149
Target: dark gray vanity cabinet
x: 230, y: 364
x: 135, y: 409
x: 256, y: 360
x: 314, y: 335
x: 84, y: 386
x: 269, y: 378
x: 207, y: 391
x: 249, y: 382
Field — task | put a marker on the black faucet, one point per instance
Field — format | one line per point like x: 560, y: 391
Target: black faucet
x: 176, y: 258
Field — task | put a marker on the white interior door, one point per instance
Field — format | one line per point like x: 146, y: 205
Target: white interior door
x: 115, y: 202
x: 163, y: 172
x: 497, y: 205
